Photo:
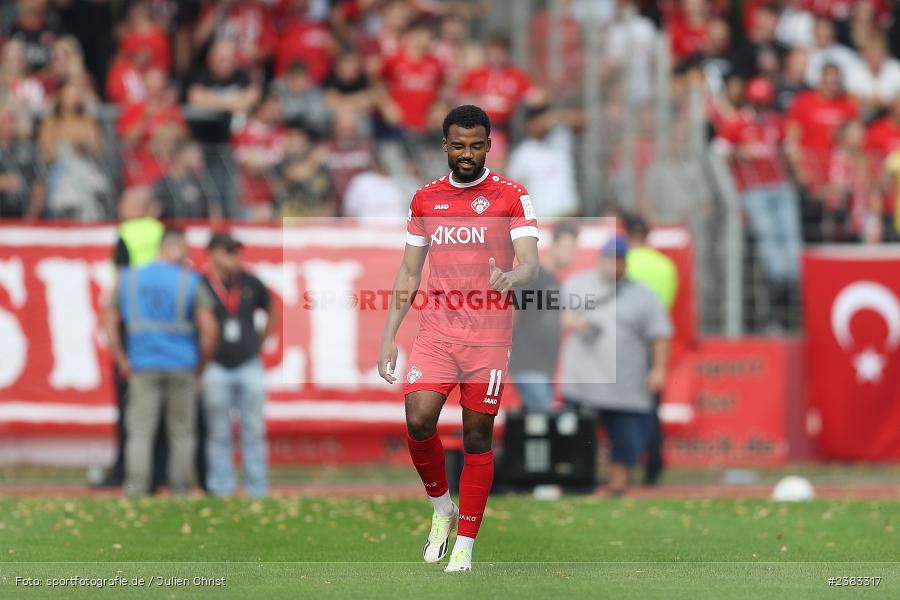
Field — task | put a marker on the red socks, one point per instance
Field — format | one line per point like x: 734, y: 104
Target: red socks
x: 428, y: 457
x: 474, y: 488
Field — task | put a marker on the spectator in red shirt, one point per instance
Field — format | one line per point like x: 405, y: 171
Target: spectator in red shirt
x: 258, y: 149
x: 813, y: 120
x: 303, y: 40
x: 248, y: 24
x: 150, y: 129
x: 688, y: 28
x: 141, y: 32
x: 755, y: 139
x: 396, y: 16
x: 849, y: 202
x: 883, y: 135
x: 497, y: 87
x: 413, y: 78
x: 882, y: 140
x: 125, y: 79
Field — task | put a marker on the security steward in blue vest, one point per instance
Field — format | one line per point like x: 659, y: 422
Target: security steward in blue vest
x: 171, y: 334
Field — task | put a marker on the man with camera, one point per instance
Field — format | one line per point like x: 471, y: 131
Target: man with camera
x: 614, y: 359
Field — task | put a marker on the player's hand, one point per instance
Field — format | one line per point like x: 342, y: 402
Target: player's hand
x: 656, y: 380
x: 387, y: 360
x: 500, y: 281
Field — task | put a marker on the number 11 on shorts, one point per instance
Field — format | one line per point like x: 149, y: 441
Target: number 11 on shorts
x: 494, y: 382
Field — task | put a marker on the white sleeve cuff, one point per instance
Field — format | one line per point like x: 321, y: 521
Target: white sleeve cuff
x: 524, y: 231
x: 416, y: 240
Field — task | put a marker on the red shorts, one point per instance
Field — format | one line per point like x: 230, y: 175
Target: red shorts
x: 480, y: 372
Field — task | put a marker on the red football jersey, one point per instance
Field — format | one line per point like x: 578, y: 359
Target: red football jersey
x: 304, y: 41
x: 414, y: 85
x: 497, y: 91
x: 762, y: 135
x: 819, y: 118
x: 882, y: 138
x: 465, y: 225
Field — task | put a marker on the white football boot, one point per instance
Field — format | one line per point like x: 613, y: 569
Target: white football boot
x: 460, y: 560
x: 438, y: 541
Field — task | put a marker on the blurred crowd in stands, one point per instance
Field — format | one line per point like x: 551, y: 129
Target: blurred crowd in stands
x: 259, y: 109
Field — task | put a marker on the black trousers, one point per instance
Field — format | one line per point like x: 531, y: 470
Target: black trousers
x: 654, y: 466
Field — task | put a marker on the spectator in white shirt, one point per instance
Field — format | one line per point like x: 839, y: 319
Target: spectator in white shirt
x: 826, y: 51
x: 631, y: 48
x: 795, y: 27
x: 875, y: 80
x: 375, y: 194
x: 544, y: 163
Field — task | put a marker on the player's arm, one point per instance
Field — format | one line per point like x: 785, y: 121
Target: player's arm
x: 406, y: 284
x: 525, y: 272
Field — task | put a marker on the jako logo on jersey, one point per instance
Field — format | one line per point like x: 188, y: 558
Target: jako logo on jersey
x: 480, y: 204
x: 490, y: 401
x: 413, y: 374
x: 458, y: 235
x: 468, y: 517
x: 441, y: 206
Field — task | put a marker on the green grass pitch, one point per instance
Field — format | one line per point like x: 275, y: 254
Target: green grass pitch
x: 356, y: 548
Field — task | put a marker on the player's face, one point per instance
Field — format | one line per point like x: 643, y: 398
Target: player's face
x: 466, y: 151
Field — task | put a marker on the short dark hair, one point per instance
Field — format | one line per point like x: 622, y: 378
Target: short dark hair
x: 635, y: 225
x: 467, y: 116
x: 564, y: 228
x: 170, y: 232
x: 499, y: 38
x: 421, y: 23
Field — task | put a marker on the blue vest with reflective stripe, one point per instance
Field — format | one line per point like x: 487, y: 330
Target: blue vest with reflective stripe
x: 157, y: 306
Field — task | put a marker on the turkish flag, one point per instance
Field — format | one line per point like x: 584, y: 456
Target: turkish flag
x: 852, y: 321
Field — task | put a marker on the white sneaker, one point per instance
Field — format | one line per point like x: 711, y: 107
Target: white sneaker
x: 438, y: 541
x: 460, y: 561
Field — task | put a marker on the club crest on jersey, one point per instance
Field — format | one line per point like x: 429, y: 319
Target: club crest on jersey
x: 480, y: 204
x: 413, y: 374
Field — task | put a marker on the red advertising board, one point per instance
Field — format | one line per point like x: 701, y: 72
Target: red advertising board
x: 326, y: 400
x: 743, y: 404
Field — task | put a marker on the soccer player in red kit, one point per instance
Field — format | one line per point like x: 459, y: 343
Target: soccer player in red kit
x: 472, y: 225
